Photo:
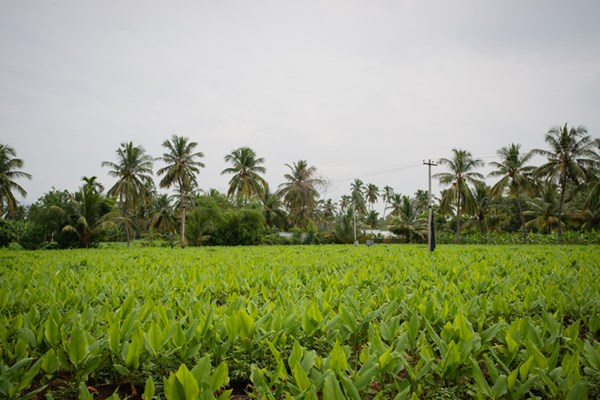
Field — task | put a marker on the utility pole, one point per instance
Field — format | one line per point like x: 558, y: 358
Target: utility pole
x: 354, y: 218
x: 430, y: 239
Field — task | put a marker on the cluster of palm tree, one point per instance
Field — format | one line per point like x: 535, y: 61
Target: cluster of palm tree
x: 563, y: 191
x: 570, y: 171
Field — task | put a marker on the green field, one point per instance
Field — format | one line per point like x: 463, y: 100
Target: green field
x: 328, y: 322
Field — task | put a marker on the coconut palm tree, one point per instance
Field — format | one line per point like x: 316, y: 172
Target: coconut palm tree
x: 133, y: 171
x: 9, y: 171
x: 246, y: 168
x: 182, y: 166
x: 482, y: 207
x: 408, y: 221
x: 85, y: 213
x: 300, y: 192
x: 387, y: 194
x: 327, y: 210
x: 515, y: 177
x: 275, y: 215
x: 459, y: 194
x: 568, y: 159
x: 371, y: 195
x: 345, y: 202
x: 357, y: 192
x: 543, y: 209
x: 91, y: 184
x: 594, y: 182
x: 164, y: 219
x: 372, y: 219
x: 395, y: 201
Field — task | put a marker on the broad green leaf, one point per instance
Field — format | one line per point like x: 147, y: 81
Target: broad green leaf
x: 300, y: 377
x: 337, y: 359
x: 50, y: 362
x: 349, y: 388
x: 132, y: 358
x: 331, y: 388
x: 413, y: 327
x: 154, y: 338
x: 295, y: 355
x: 500, y: 387
x: 78, y: 346
x: 202, y: 370
x: 578, y: 391
x: 114, y: 338
x: 220, y: 377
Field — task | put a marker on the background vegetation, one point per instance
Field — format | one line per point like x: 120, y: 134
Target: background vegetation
x: 556, y: 201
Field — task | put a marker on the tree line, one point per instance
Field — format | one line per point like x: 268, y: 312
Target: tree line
x: 562, y: 194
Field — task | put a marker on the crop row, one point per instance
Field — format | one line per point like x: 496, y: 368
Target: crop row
x: 302, y: 322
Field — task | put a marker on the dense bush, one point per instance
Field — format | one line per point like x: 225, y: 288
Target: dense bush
x: 7, y: 232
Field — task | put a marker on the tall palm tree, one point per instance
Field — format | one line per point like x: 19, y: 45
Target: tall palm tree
x: 246, y: 169
x: 345, y: 202
x: 387, y: 194
x: 9, y: 171
x: 300, y: 192
x: 133, y: 171
x: 371, y: 195
x: 514, y: 174
x: 181, y: 168
x: 357, y: 191
x: 569, y: 149
x: 461, y: 174
x: 396, y: 204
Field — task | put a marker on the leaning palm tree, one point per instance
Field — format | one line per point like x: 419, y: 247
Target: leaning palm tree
x: 459, y: 194
x: 9, y: 171
x: 180, y: 171
x: 515, y: 177
x: 569, y: 149
x: 246, y: 168
x: 300, y: 192
x: 133, y: 171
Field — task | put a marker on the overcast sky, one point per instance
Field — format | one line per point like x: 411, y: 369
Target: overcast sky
x: 365, y: 89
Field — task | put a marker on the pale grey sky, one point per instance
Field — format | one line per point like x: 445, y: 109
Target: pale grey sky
x: 353, y: 87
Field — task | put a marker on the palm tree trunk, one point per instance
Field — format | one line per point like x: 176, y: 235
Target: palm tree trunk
x: 457, y: 235
x: 520, y: 207
x: 481, y: 222
x: 560, y: 207
x: 182, y: 233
